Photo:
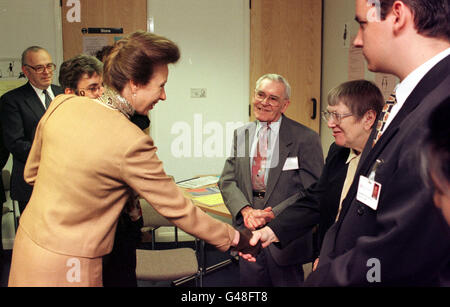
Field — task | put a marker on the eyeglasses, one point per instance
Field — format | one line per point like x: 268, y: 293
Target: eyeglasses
x: 40, y: 68
x: 92, y: 89
x: 273, y: 100
x: 335, y: 116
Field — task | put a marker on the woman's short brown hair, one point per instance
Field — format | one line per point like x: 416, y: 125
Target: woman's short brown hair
x: 359, y: 96
x: 134, y: 57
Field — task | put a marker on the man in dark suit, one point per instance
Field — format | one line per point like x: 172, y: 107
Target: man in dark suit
x: 275, y: 160
x: 400, y: 239
x: 21, y: 110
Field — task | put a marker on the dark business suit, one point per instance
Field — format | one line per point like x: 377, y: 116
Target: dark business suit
x: 320, y: 203
x: 406, y: 240
x: 21, y: 110
x: 283, y: 187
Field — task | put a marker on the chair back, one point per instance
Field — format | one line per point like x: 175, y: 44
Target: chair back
x: 6, y: 177
x: 151, y: 217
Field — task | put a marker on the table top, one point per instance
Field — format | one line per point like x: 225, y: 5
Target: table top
x: 220, y: 210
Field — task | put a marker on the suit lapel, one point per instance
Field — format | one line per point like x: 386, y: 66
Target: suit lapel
x: 57, y: 90
x: 283, y: 142
x: 430, y: 81
x: 33, y: 101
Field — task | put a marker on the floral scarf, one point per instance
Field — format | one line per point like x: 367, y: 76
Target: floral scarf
x: 113, y: 99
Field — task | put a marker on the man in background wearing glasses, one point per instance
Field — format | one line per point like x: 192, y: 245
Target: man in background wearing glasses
x: 274, y: 161
x: 21, y: 110
x: 82, y: 76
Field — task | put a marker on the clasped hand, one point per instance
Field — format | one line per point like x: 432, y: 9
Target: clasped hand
x: 264, y: 236
x: 255, y: 218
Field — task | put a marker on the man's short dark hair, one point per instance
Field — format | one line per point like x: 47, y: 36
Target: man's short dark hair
x: 431, y: 17
x: 73, y: 69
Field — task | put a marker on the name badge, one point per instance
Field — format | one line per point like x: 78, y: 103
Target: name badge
x: 290, y: 164
x: 368, y: 192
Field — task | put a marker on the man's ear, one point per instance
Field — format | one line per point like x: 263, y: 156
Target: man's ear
x: 402, y: 15
x: 285, y: 106
x: 68, y: 91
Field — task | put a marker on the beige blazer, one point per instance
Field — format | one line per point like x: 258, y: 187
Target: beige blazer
x: 84, y: 160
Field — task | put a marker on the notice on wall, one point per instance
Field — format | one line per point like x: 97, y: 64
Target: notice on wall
x: 92, y: 44
x: 356, y: 63
x: 386, y: 83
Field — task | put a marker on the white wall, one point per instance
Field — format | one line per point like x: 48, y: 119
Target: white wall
x: 213, y: 36
x: 26, y: 23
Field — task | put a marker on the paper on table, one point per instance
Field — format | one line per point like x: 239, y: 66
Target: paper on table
x: 210, y: 200
x: 203, y: 191
x: 198, y: 182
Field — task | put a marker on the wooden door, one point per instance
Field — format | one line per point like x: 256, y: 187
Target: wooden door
x: 286, y: 38
x: 130, y: 15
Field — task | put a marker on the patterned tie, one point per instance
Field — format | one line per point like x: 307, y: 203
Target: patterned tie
x: 392, y: 100
x: 259, y: 162
x: 48, y: 99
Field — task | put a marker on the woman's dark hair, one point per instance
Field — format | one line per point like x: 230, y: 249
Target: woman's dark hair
x: 103, y: 53
x: 134, y: 57
x: 359, y: 96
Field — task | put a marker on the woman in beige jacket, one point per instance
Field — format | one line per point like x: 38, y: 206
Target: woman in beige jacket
x: 86, y: 158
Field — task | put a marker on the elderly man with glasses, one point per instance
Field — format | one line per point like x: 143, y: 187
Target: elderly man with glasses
x: 275, y: 160
x: 352, y: 110
x: 21, y: 110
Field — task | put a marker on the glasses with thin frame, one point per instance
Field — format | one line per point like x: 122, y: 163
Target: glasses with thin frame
x: 337, y: 118
x: 50, y: 67
x: 273, y: 100
x: 92, y: 89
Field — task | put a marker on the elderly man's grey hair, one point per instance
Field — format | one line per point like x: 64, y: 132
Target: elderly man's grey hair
x: 278, y: 78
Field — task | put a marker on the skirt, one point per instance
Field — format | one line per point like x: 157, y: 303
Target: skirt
x: 35, y: 266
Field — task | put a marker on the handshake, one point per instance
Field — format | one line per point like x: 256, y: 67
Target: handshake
x: 244, y: 246
x: 250, y: 243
